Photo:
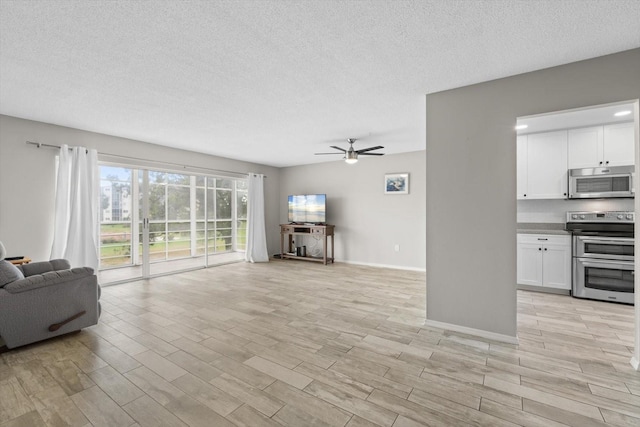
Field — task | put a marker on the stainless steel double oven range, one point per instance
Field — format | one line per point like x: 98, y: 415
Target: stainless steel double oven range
x: 603, y: 253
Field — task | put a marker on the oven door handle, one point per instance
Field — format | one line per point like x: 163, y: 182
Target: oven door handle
x: 620, y: 241
x: 604, y: 264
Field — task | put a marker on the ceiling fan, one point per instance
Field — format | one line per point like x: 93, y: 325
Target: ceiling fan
x: 351, y: 155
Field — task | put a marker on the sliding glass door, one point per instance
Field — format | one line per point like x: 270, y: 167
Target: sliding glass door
x: 172, y: 223
x: 118, y: 222
x: 226, y: 218
x: 156, y: 222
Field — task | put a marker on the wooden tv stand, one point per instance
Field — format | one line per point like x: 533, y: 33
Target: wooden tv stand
x: 290, y: 230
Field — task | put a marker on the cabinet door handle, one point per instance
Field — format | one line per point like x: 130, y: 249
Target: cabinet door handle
x: 545, y: 249
x: 600, y: 162
x: 607, y: 162
x: 540, y: 238
x: 539, y: 249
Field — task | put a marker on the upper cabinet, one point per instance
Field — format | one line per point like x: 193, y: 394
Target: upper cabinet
x: 544, y: 158
x: 522, y: 167
x: 619, y: 145
x: 542, y: 166
x: 585, y: 147
x: 601, y: 146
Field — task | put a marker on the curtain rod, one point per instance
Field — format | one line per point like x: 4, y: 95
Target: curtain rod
x: 39, y: 145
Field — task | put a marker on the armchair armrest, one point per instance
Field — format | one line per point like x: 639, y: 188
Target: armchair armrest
x: 48, y: 279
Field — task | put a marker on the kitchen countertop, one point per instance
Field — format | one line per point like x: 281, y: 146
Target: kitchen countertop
x: 542, y: 228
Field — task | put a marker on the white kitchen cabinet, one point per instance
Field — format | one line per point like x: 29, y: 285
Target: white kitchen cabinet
x: 556, y: 264
x: 521, y: 166
x: 546, y: 166
x: 601, y: 146
x: 529, y: 263
x: 585, y: 147
x: 619, y: 144
x: 544, y: 260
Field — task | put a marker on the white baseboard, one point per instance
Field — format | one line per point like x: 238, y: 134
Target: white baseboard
x: 471, y: 331
x: 635, y: 363
x: 395, y: 267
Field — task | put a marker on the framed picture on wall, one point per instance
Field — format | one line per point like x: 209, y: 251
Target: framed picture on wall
x: 396, y: 183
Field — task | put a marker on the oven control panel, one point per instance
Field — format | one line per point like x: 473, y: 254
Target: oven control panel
x: 610, y: 216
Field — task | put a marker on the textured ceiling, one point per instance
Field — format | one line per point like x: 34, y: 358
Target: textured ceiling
x: 273, y: 82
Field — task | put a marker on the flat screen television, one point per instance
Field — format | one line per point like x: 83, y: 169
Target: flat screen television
x: 308, y: 208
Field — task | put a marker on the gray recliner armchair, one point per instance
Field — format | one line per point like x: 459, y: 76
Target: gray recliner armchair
x: 42, y: 300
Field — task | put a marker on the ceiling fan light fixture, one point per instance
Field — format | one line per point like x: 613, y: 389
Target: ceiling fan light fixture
x: 351, y: 157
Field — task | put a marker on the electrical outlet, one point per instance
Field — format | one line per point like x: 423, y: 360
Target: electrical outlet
x: 396, y: 247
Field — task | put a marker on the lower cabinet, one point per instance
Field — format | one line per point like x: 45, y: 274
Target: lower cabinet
x: 544, y: 260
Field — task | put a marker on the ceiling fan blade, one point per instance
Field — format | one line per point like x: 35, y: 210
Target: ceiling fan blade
x: 338, y: 148
x: 364, y: 150
x: 319, y: 154
x: 370, y: 154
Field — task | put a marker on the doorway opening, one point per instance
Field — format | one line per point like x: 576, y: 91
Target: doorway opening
x: 551, y: 149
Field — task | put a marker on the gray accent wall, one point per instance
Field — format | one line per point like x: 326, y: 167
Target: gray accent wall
x: 471, y: 181
x: 369, y: 224
x: 27, y: 179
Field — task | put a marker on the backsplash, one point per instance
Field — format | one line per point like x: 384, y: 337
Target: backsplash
x: 555, y: 210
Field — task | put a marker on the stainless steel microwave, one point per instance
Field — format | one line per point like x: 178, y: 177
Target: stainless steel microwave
x: 600, y: 183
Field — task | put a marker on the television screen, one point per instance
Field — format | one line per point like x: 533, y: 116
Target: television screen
x: 308, y: 208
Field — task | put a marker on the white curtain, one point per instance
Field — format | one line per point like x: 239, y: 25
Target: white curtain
x: 76, y: 223
x: 256, y: 234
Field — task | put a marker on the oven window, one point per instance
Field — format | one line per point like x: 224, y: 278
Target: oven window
x: 608, y: 279
x: 603, y: 185
x: 608, y: 249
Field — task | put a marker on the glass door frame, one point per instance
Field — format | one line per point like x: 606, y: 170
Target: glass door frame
x: 146, y: 262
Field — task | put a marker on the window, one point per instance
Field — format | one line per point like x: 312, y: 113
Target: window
x: 115, y: 221
x: 241, y: 214
x: 189, y: 216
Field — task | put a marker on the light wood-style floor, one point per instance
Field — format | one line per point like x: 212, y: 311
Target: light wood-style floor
x: 301, y: 344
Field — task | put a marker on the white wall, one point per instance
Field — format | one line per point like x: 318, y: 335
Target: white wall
x: 27, y: 177
x: 471, y: 221
x: 368, y: 223
x: 555, y: 210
